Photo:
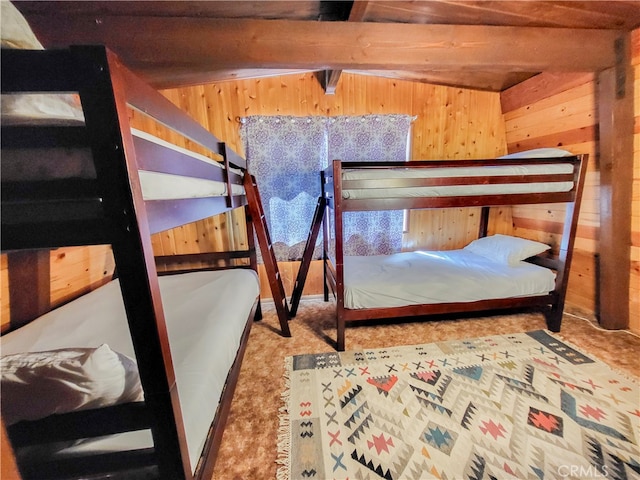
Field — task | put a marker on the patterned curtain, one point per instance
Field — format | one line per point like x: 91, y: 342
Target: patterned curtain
x: 370, y: 138
x: 286, y: 154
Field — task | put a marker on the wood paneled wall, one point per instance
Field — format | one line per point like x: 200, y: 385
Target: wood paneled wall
x: 550, y: 110
x: 451, y: 123
x: 74, y: 271
x: 561, y: 111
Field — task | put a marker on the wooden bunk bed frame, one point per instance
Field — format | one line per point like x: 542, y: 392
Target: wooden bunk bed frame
x: 551, y: 305
x: 110, y: 209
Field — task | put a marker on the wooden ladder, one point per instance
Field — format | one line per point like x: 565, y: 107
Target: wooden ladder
x: 307, y: 256
x: 268, y: 256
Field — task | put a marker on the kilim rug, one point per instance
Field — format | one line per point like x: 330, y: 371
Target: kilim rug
x: 525, y: 406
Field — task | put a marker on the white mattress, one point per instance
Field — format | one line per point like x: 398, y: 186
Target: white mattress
x: 455, y: 190
x: 205, y: 313
x: 426, y: 277
x: 163, y: 186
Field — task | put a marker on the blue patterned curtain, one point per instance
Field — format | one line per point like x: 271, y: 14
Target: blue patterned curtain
x: 370, y: 138
x: 286, y: 154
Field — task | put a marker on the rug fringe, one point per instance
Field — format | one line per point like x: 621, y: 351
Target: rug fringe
x: 284, y: 428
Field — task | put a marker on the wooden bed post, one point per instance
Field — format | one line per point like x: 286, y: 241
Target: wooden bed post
x: 616, y: 123
x: 484, y: 222
x: 554, y: 316
x: 325, y: 237
x: 103, y: 99
x: 8, y: 465
x: 253, y: 257
x: 337, y: 212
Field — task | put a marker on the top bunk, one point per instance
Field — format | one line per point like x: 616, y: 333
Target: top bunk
x: 544, y: 176
x: 76, y: 172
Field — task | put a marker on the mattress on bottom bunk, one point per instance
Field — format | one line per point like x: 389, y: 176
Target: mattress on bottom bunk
x: 205, y: 312
x: 426, y: 277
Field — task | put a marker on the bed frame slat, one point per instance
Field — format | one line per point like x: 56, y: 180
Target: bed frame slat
x: 452, y: 181
x: 165, y: 214
x: 118, y: 465
x: 43, y: 137
x: 38, y: 71
x: 156, y: 158
x: 368, y: 204
x: 94, y: 231
x: 82, y: 424
x: 146, y: 99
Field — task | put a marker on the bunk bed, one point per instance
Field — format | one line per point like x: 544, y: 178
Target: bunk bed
x: 385, y: 287
x: 171, y: 346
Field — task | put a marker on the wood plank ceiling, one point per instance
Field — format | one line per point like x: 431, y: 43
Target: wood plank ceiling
x: 485, y: 45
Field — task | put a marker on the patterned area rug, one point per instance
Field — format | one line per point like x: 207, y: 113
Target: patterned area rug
x: 525, y: 406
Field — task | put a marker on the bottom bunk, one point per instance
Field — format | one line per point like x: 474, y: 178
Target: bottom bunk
x: 541, y: 176
x: 61, y: 404
x: 427, y: 277
x: 498, y: 272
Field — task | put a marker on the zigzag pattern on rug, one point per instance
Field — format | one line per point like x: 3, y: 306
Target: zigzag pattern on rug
x: 513, y: 406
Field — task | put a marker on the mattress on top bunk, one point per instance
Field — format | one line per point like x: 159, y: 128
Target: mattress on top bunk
x: 452, y: 172
x: 428, y: 277
x: 205, y: 313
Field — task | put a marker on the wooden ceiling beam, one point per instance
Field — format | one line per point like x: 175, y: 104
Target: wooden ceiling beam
x: 357, y: 14
x: 156, y: 46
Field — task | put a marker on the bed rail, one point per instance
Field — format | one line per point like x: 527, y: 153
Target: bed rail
x: 451, y: 183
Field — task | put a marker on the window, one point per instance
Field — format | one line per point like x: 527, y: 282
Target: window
x: 286, y: 155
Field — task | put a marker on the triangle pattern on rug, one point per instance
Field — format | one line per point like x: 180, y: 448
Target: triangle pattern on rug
x: 507, y: 406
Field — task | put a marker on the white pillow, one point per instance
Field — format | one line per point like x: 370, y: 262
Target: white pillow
x: 38, y: 384
x: 540, y: 153
x: 506, y: 249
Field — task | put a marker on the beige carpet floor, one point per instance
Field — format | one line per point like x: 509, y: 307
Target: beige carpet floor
x: 249, y: 444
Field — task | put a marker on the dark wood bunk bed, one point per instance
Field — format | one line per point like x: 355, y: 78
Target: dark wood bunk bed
x: 451, y: 184
x: 108, y: 207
